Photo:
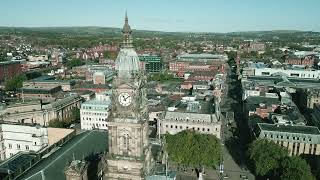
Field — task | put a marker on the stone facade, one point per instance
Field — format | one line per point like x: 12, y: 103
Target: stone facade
x: 175, y: 122
x: 129, y: 152
x: 36, y: 112
x: 313, y: 97
x: 77, y: 170
x: 296, y: 139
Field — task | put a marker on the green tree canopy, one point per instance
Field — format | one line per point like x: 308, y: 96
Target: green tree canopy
x: 75, y: 114
x: 295, y: 168
x: 191, y: 148
x: 162, y: 77
x: 74, y: 62
x: 15, y: 82
x: 110, y: 55
x: 266, y: 156
x: 273, y: 161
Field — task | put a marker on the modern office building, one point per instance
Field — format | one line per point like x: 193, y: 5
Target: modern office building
x: 151, y: 63
x: 94, y: 113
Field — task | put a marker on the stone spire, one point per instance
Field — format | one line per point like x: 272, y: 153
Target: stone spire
x: 126, y: 30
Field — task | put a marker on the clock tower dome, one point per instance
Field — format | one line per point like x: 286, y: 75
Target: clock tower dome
x: 128, y: 145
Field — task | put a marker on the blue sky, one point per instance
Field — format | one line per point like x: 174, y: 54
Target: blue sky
x: 166, y: 15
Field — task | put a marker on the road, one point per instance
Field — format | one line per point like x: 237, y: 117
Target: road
x: 235, y: 135
x: 235, y: 140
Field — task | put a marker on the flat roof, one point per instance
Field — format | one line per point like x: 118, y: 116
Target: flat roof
x: 50, y: 79
x: 278, y: 81
x: 203, y: 55
x: 17, y: 161
x: 37, y: 87
x: 9, y: 62
x: 96, y: 102
x: 289, y: 129
x: 261, y: 99
x: 79, y: 147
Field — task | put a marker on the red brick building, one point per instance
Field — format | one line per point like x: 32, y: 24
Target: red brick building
x: 9, y: 69
x: 307, y: 61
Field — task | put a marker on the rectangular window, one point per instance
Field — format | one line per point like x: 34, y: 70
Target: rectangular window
x: 294, y: 75
x: 18, y: 146
x: 10, y: 146
x: 27, y: 147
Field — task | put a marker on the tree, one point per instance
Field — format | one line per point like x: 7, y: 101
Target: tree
x: 109, y: 55
x: 57, y: 124
x: 266, y: 156
x: 74, y: 62
x: 273, y: 161
x: 190, y: 148
x: 15, y: 83
x: 162, y: 77
x: 33, y: 75
x: 314, y: 163
x: 75, y: 114
x: 295, y: 168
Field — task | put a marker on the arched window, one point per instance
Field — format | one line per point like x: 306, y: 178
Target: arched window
x: 125, y: 143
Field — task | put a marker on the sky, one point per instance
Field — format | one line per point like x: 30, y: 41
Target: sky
x: 166, y: 15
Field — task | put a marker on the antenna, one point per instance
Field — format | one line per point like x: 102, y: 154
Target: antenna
x: 73, y: 157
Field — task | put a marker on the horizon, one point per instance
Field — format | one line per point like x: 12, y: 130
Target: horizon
x: 48, y: 27
x: 206, y: 16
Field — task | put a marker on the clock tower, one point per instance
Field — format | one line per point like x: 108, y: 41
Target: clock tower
x: 128, y: 147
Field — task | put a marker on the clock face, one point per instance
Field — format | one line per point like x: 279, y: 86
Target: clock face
x: 125, y: 99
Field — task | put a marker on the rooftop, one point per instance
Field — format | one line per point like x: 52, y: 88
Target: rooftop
x: 203, y: 56
x: 260, y: 99
x: 40, y: 88
x: 95, y: 102
x: 279, y: 81
x: 192, y: 117
x: 16, y: 162
x: 8, y: 62
x: 49, y: 79
x: 289, y: 129
x: 83, y: 145
x: 65, y: 100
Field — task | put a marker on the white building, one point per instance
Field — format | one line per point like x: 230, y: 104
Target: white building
x: 94, y: 113
x: 16, y: 138
x: 297, y: 73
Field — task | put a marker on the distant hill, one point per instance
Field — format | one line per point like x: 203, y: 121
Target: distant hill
x: 111, y: 32
x: 96, y: 30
